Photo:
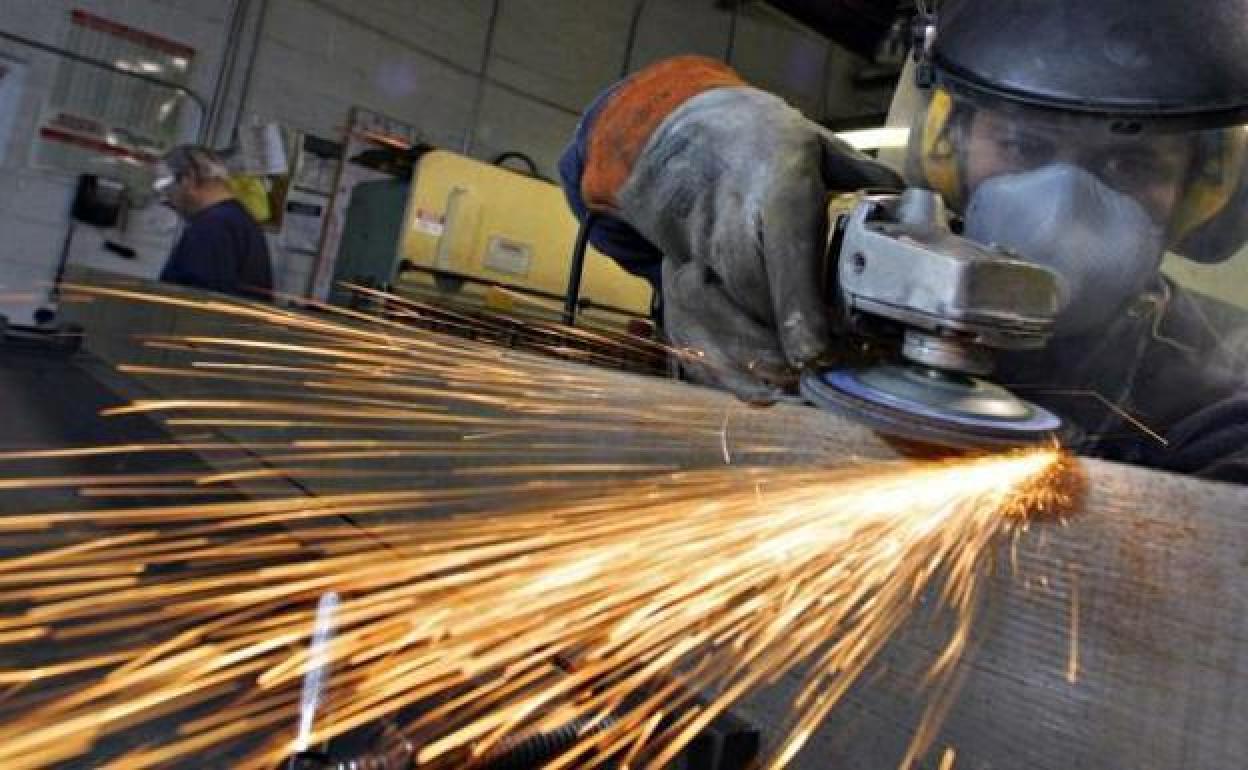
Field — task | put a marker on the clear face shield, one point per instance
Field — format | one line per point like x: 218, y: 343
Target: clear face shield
x: 1101, y: 201
x: 1142, y: 222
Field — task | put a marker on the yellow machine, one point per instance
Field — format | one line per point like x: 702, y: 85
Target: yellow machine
x: 486, y: 223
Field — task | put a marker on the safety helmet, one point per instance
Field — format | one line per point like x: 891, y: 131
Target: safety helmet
x: 1150, y: 95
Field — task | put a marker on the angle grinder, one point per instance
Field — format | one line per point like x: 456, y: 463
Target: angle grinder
x: 920, y: 311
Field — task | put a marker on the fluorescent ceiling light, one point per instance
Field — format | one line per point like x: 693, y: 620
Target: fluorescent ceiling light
x: 876, y: 138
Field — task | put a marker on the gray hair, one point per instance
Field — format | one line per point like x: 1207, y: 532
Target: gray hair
x: 197, y: 161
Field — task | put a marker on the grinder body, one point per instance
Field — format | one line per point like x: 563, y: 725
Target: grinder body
x: 922, y: 310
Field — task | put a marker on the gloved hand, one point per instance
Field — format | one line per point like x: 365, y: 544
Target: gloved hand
x: 732, y: 189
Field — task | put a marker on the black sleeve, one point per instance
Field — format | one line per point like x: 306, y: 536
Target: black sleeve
x: 1213, y: 443
x: 1192, y: 388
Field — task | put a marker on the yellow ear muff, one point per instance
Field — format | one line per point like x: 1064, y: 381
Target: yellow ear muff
x: 938, y: 154
x: 1221, y: 163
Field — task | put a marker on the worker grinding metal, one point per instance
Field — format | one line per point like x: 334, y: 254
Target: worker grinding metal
x: 222, y: 248
x: 1089, y: 137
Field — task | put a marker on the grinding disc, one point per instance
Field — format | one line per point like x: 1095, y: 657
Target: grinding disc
x: 931, y: 406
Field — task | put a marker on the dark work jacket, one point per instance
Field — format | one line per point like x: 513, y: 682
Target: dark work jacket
x: 223, y: 250
x: 1176, y: 362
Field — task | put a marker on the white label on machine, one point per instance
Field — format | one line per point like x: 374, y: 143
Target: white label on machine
x: 507, y: 256
x: 429, y: 223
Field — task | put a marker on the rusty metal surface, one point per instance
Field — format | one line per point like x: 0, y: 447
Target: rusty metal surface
x: 1160, y: 566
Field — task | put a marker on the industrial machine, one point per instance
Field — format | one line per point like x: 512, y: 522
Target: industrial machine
x: 470, y: 226
x: 921, y: 310
x: 366, y: 255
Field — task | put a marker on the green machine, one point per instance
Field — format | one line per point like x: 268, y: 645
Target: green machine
x: 369, y: 252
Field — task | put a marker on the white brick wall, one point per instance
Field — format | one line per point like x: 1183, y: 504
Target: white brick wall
x: 509, y: 122
x: 780, y: 56
x: 562, y: 55
x: 34, y: 204
x: 672, y: 27
x: 416, y: 61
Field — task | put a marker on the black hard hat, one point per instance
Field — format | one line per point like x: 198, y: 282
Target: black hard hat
x: 1179, y: 60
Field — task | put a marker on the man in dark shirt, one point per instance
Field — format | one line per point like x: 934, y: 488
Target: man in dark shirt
x: 222, y: 248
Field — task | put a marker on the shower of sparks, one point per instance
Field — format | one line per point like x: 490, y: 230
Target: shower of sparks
x: 508, y: 585
x: 1072, y: 658
x: 314, y: 679
x: 948, y: 758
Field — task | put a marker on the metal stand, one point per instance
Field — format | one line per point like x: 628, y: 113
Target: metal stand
x: 572, y: 301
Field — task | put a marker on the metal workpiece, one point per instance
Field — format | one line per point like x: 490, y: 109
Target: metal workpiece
x: 1119, y: 640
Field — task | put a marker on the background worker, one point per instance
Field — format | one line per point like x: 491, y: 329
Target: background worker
x: 222, y: 248
x: 1072, y: 132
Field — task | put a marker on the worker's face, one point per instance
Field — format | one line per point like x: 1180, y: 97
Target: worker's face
x: 1091, y: 205
x: 177, y: 191
x: 1151, y: 170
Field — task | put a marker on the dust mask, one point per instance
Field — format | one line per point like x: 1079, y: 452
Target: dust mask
x: 1102, y: 244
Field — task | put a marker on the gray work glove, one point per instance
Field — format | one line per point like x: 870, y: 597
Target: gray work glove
x: 733, y: 189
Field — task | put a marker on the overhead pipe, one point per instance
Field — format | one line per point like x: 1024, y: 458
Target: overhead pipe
x: 225, y: 69
x: 262, y: 17
x: 478, y: 99
x: 630, y: 46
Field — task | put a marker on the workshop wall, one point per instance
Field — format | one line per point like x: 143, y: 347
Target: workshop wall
x: 34, y: 203
x: 418, y: 62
